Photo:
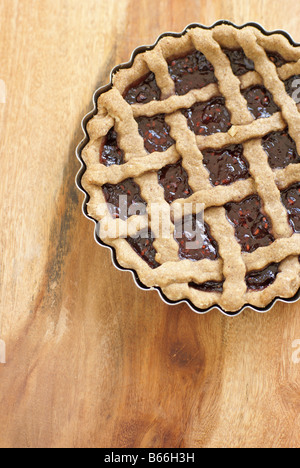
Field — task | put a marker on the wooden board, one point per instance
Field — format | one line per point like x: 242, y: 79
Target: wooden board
x: 92, y: 361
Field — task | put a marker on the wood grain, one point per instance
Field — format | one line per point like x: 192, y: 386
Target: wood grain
x: 92, y: 361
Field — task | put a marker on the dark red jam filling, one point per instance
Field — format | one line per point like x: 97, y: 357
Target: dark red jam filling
x: 291, y: 200
x: 207, y: 248
x: 175, y: 182
x: 281, y: 149
x: 255, y: 280
x: 143, y: 91
x: 143, y: 246
x: 209, y: 286
x: 193, y: 71
x: 261, y: 279
x: 252, y: 226
x: 240, y: 64
x: 155, y: 132
x: 292, y: 87
x: 260, y: 101
x: 130, y: 190
x: 110, y: 153
x: 205, y: 118
x: 226, y: 165
x: 276, y: 58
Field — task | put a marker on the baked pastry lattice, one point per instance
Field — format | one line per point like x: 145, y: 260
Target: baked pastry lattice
x: 208, y: 117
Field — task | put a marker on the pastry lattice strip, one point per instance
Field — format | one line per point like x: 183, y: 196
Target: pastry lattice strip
x: 138, y: 162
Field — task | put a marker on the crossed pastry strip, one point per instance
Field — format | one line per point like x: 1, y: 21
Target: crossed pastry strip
x: 174, y: 275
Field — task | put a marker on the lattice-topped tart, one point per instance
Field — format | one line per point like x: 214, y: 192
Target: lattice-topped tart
x: 208, y: 117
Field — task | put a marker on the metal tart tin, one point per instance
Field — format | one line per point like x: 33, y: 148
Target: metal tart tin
x: 85, y: 140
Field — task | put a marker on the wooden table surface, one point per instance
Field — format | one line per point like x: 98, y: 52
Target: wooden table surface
x: 92, y: 361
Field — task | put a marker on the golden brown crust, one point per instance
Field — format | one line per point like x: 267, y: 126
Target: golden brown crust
x: 174, y: 275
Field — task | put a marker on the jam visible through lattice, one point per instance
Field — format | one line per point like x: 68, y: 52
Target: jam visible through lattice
x: 226, y: 165
x: 291, y: 200
x: 142, y: 244
x: 174, y: 179
x: 261, y: 279
x: 253, y: 228
x: 207, y: 247
x: 292, y: 87
x: 240, y: 64
x: 143, y: 91
x: 260, y: 102
x: 155, y: 132
x: 129, y: 189
x: 110, y: 153
x: 192, y: 71
x: 281, y: 149
x: 276, y: 58
x: 209, y: 286
x: 255, y: 280
x: 206, y: 118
